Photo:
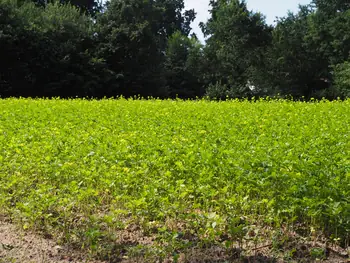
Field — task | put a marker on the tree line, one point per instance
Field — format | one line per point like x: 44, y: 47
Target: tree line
x: 84, y: 48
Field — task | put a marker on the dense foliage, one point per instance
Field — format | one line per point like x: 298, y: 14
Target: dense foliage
x: 180, y: 174
x: 144, y: 47
x: 187, y: 173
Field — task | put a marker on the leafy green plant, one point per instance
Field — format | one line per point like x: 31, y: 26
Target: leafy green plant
x: 179, y: 174
x: 318, y: 253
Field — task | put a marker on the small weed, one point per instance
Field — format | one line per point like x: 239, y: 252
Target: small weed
x: 317, y: 253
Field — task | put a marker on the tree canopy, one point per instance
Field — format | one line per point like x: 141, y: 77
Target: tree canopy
x: 84, y: 48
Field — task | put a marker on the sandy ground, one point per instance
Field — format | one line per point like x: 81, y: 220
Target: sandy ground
x: 16, y: 246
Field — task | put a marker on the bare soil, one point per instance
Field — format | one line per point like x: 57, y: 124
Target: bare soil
x: 19, y: 246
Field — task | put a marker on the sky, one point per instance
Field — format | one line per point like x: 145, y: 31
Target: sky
x: 270, y: 8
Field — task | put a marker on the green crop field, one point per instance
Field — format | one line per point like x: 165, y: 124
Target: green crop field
x: 176, y: 174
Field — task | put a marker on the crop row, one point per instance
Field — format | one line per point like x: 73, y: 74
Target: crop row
x: 183, y: 172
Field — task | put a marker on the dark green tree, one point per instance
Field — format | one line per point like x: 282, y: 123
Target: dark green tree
x: 133, y: 36
x: 307, y: 45
x: 90, y: 6
x: 330, y: 31
x: 331, y: 6
x: 341, y: 78
x: 237, y: 41
x: 184, y: 57
x: 46, y: 52
x: 297, y: 65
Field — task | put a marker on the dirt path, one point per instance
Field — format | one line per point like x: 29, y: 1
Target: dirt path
x: 16, y: 246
